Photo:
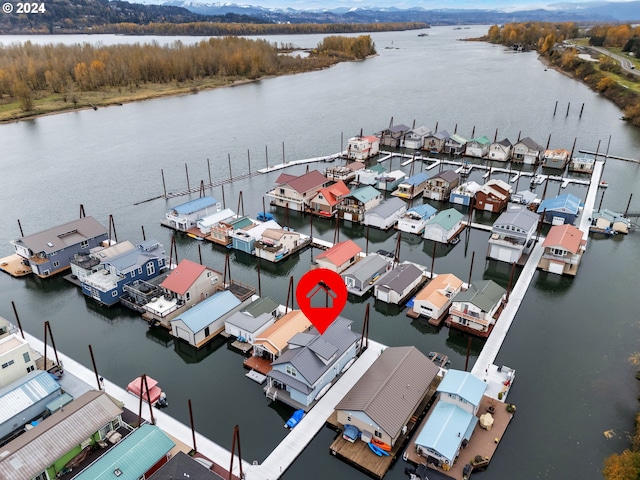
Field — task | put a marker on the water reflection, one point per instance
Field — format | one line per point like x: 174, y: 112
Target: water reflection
x: 161, y: 336
x: 190, y: 354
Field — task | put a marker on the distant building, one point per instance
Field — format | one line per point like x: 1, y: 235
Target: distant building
x: 186, y: 215
x: 500, y: 151
x: 527, y: 151
x: 478, y: 147
x: 435, y: 142
x: 295, y: 192
x: 440, y: 185
x: 363, y: 148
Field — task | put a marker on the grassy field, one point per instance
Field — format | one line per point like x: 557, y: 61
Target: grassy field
x: 46, y: 103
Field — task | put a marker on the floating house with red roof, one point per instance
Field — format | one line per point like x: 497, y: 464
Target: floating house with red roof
x: 363, y: 147
x: 295, y: 193
x: 563, y: 249
x: 339, y: 257
x: 325, y: 202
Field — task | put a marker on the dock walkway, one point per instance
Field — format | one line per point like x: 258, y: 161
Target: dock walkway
x: 590, y: 201
x: 326, y: 158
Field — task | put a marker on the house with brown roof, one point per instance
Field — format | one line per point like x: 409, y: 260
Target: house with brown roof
x: 187, y: 284
x: 277, y: 243
x: 563, y: 250
x: 382, y: 402
x: 394, y: 135
x: 527, y: 151
x: 434, y: 300
x: 363, y: 147
x: 557, y: 158
x: 343, y: 173
x: 274, y: 341
x: 500, y: 151
x: 339, y: 257
x: 295, y: 193
x: 493, y: 196
x: 325, y: 202
x: 439, y: 186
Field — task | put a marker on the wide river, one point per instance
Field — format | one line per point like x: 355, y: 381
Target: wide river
x: 571, y: 340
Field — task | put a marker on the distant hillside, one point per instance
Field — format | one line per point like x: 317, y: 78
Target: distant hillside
x: 63, y: 16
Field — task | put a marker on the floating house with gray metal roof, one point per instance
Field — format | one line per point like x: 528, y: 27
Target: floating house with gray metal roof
x: 302, y: 373
x: 475, y: 310
x: 512, y: 234
x: 362, y: 276
x: 396, y: 285
x: 255, y: 318
x: 386, y: 214
x: 50, y: 251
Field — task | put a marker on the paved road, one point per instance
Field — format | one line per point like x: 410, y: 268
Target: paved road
x: 625, y: 63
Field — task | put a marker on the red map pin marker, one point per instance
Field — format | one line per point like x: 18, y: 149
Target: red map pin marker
x: 321, y: 295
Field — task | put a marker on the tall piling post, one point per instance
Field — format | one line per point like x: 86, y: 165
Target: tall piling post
x: 555, y: 108
x: 186, y: 169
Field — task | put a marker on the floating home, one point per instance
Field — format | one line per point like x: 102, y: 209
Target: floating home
x: 415, y: 219
x: 394, y: 136
x: 463, y: 194
x: 43, y: 451
x: 455, y: 145
x: 251, y: 321
x: 353, y: 206
x: 50, y: 252
x: 444, y: 227
x: 557, y: 159
x: 388, y: 182
x: 434, y: 300
x: 386, y: 214
x: 383, y: 401
x: 325, y: 202
x: 609, y: 221
x: 527, y: 151
x: 399, y: 283
x: 343, y: 173
x: 185, y: 216
x: 412, y: 187
x: 245, y: 239
x: 414, y: 138
x: 512, y: 234
x: 500, y: 151
x: 276, y: 244
x: 295, y: 192
x: 221, y: 232
x: 187, y: 284
x: 339, y: 257
x: 205, y: 224
x: 363, y: 147
x: 189, y: 467
x: 493, y: 196
x: 582, y: 164
x: 435, y: 142
x: 16, y: 356
x: 274, y: 340
x: 562, y: 209
x: 452, y: 419
x: 311, y: 363
x: 370, y: 175
x: 86, y: 263
x: 563, y: 250
x: 477, y: 147
x: 145, y: 262
x: 204, y: 321
x: 476, y: 309
x: 440, y: 185
x: 362, y: 276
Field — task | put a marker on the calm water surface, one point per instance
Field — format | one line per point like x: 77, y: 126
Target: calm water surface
x: 571, y: 339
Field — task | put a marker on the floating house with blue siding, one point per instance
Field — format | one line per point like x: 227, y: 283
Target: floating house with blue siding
x: 144, y: 262
x: 200, y: 324
x: 452, y: 419
x: 186, y: 215
x: 50, y: 251
x: 25, y: 400
x: 463, y: 194
x: 245, y: 239
x: 312, y: 362
x: 563, y: 209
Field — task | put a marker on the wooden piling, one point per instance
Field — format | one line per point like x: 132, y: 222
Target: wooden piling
x: 164, y: 186
x: 186, y: 169
x: 555, y: 108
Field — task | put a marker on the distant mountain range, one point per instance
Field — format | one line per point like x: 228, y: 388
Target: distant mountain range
x: 578, y: 12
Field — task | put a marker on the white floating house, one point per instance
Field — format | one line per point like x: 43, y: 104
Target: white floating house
x: 444, y: 226
x: 186, y: 215
x: 415, y: 219
x: 385, y: 215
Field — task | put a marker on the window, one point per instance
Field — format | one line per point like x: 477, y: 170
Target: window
x: 42, y: 476
x: 348, y: 418
x: 206, y: 331
x: 114, y: 293
x: 133, y: 273
x: 378, y: 434
x: 282, y: 191
x: 208, y: 274
x: 151, y: 269
x: 26, y: 357
x: 56, y: 264
x: 84, y: 244
x: 291, y: 371
x: 31, y: 368
x: 7, y: 364
x: 187, y: 296
x: 140, y: 270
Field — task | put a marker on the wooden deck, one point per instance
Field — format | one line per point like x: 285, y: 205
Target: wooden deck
x: 13, y: 266
x: 483, y: 442
x: 259, y: 364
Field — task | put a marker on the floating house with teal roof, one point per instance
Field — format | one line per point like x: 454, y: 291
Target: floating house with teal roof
x: 561, y: 209
x: 186, y: 215
x: 444, y: 226
x: 415, y: 219
x: 412, y: 187
x: 356, y: 203
x: 135, y: 457
x: 200, y: 324
x: 477, y: 147
x: 455, y: 145
x: 452, y: 419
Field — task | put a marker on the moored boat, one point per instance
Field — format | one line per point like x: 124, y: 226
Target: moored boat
x: 295, y: 419
x: 148, y: 388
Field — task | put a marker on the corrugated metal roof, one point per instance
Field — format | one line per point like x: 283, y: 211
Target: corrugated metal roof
x: 332, y: 193
x: 306, y: 182
x: 205, y: 312
x: 484, y: 294
x: 62, y: 236
x: 391, y: 389
x: 340, y: 253
x: 183, y: 467
x: 449, y: 176
x: 505, y: 142
x: 483, y: 140
x: 248, y: 323
x: 567, y: 203
x: 458, y: 139
x: 261, y: 305
x: 445, y: 429
x: 531, y: 144
x: 183, y: 276
x: 194, y: 206
x: 401, y: 277
x: 565, y: 236
x: 133, y: 456
x: 275, y: 338
x: 434, y: 291
x: 25, y: 392
x: 365, y: 268
x: 417, y: 179
x: 522, y: 218
x: 134, y: 259
x: 364, y: 194
x: 388, y: 207
x: 424, y: 211
x: 446, y: 218
x: 463, y: 384
x: 214, y: 219
x: 33, y: 451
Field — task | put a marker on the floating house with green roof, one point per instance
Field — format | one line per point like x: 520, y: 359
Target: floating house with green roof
x: 455, y: 145
x: 477, y: 147
x: 358, y: 202
x: 475, y: 310
x: 444, y: 226
x: 135, y: 457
